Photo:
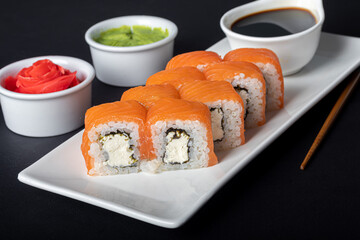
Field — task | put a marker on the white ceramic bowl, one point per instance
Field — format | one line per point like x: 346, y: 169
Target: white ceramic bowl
x: 295, y: 50
x: 48, y: 114
x: 130, y: 66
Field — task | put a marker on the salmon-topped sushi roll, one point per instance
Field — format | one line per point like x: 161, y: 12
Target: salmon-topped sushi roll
x: 269, y: 65
x: 148, y: 95
x: 113, y: 141
x: 247, y: 80
x: 179, y: 135
x: 226, y: 108
x: 176, y: 76
x: 198, y: 59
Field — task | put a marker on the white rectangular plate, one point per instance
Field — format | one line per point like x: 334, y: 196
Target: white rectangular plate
x: 170, y: 198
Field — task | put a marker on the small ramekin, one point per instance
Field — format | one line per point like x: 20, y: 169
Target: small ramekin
x: 48, y: 114
x: 130, y: 66
x: 295, y: 50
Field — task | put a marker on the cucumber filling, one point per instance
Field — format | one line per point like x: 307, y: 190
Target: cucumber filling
x: 177, y: 146
x: 217, y: 124
x: 117, y: 150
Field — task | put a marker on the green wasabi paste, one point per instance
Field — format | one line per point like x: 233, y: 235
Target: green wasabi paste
x: 126, y: 36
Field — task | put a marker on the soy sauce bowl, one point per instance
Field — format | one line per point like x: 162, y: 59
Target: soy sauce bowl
x: 294, y: 50
x: 47, y: 114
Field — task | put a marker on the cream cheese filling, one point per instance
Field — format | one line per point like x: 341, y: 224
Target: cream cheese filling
x: 217, y: 119
x: 177, y: 149
x: 117, y: 150
x: 244, y: 94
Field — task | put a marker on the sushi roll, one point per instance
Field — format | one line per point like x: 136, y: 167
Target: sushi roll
x: 113, y: 141
x: 179, y: 135
x: 269, y: 65
x: 198, y: 59
x: 226, y: 108
x: 176, y: 76
x: 248, y: 82
x: 148, y: 95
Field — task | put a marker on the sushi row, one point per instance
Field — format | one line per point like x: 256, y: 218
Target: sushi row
x: 199, y: 101
x: 124, y: 137
x: 215, y: 68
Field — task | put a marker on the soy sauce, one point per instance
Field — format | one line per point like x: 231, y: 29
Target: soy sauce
x: 274, y: 23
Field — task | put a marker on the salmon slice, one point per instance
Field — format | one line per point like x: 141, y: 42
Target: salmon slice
x: 148, y: 95
x: 228, y: 70
x: 166, y: 114
x: 126, y: 111
x: 269, y: 65
x: 248, y: 81
x: 176, y: 76
x: 198, y: 59
x: 226, y: 108
x: 209, y: 91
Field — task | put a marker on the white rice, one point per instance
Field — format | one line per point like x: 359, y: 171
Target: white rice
x: 273, y: 86
x: 255, y: 105
x: 99, y: 155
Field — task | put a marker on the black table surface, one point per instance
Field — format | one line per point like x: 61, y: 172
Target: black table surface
x: 271, y: 198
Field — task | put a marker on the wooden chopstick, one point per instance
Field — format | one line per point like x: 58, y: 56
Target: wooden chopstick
x: 330, y: 119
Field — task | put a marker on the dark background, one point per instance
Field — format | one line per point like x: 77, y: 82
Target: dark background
x: 269, y: 199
